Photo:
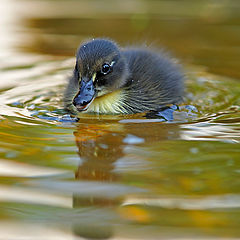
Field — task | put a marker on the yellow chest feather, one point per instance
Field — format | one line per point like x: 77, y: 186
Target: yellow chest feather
x: 107, y: 104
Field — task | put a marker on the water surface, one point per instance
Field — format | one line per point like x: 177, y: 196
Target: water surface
x: 119, y: 177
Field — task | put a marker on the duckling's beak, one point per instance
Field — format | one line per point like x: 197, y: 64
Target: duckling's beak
x: 85, y: 96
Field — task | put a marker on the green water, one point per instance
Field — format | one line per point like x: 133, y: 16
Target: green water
x: 119, y: 177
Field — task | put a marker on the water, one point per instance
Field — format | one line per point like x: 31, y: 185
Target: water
x: 115, y: 177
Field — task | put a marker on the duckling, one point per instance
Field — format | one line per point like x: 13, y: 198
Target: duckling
x: 110, y: 80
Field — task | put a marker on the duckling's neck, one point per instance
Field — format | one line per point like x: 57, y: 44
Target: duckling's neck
x: 111, y: 103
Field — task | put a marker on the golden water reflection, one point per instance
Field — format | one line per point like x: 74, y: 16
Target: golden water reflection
x: 101, y: 149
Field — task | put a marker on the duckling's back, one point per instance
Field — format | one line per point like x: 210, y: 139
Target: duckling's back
x: 154, y: 81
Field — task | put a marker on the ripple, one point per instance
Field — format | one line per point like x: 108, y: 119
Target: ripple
x: 206, y: 131
x: 210, y: 202
x: 181, y: 160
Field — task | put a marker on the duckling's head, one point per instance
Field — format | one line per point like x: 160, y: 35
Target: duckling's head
x: 100, y: 69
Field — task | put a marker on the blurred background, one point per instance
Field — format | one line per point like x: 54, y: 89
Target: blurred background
x: 205, y: 33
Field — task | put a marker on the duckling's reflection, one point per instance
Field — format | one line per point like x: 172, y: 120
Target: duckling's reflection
x: 99, y: 147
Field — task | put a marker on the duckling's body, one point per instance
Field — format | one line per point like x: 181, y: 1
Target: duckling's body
x: 139, y: 80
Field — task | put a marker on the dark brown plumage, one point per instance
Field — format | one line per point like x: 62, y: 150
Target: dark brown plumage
x: 109, y: 80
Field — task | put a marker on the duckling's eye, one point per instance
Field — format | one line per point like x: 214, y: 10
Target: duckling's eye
x: 106, y: 68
